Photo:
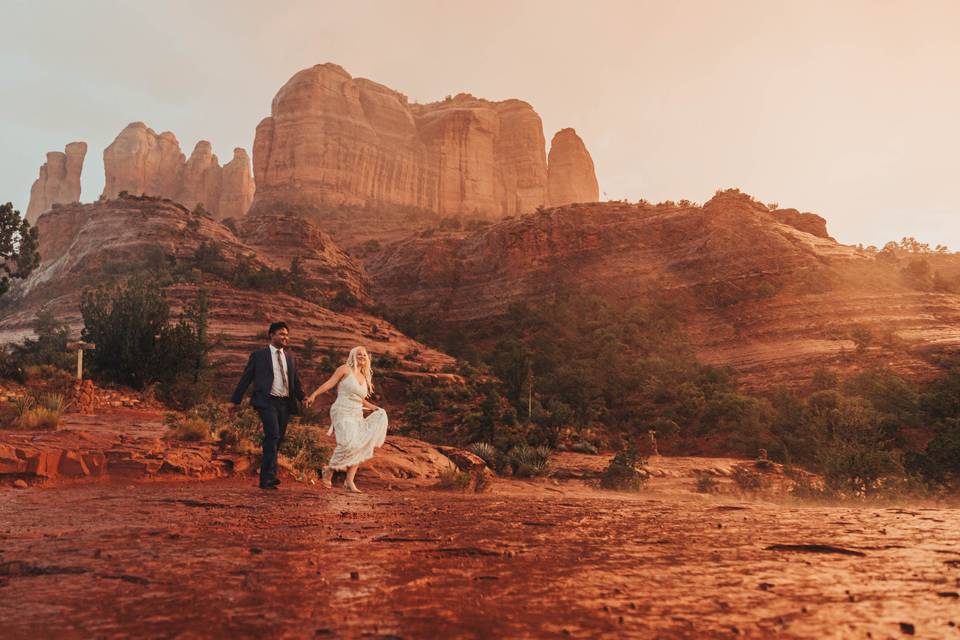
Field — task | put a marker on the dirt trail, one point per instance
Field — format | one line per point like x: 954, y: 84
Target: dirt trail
x: 220, y: 558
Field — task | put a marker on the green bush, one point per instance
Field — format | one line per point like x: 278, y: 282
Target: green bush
x: 19, y: 247
x: 303, y: 447
x: 137, y: 344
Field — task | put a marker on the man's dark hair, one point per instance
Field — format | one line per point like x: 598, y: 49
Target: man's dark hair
x: 276, y: 326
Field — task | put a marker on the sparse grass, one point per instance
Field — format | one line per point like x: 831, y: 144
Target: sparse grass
x: 707, y: 484
x: 454, y: 480
x: 189, y: 430
x: 31, y: 413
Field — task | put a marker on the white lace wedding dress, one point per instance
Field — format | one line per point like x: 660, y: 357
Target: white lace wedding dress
x: 357, y: 436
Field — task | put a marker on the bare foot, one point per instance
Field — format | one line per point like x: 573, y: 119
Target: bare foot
x: 326, y: 477
x: 352, y: 488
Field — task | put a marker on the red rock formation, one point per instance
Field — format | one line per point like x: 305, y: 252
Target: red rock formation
x: 141, y: 162
x: 200, y: 179
x: 773, y: 301
x: 59, y: 181
x: 236, y: 188
x: 334, y: 140
x: 81, y: 245
x: 809, y: 222
x: 571, y: 177
x: 280, y: 239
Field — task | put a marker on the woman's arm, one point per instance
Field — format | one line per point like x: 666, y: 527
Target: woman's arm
x: 368, y: 405
x: 329, y: 384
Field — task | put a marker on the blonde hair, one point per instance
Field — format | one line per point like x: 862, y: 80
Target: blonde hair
x: 366, y: 371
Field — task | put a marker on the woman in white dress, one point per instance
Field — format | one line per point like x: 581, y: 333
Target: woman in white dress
x: 356, y: 436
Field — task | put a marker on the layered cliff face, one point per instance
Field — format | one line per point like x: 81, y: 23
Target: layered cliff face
x: 139, y: 161
x: 768, y: 298
x: 85, y: 245
x: 571, y: 177
x: 59, y: 180
x: 334, y: 140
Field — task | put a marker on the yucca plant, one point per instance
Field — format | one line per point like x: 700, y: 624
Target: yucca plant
x: 485, y: 451
x: 529, y: 462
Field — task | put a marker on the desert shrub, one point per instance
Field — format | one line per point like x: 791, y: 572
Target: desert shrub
x: 623, y: 473
x: 707, y: 484
x: 49, y: 348
x: 385, y: 361
x: 528, y: 462
x: 33, y: 413
x: 19, y: 247
x: 853, y: 453
x: 481, y: 481
x: 750, y: 480
x: 939, y: 463
x: 137, y: 344
x: 454, y: 480
x: 242, y: 432
x: 188, y: 429
x: 303, y: 447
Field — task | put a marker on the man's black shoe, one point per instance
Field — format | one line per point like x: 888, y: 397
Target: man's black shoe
x: 274, y: 482
x: 269, y: 487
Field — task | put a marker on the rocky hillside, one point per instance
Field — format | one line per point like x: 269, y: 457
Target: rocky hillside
x: 85, y: 245
x: 332, y: 140
x: 767, y: 292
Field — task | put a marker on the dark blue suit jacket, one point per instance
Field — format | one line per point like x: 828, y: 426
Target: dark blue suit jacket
x: 259, y: 371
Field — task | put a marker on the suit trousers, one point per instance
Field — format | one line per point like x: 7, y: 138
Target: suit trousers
x: 274, y: 418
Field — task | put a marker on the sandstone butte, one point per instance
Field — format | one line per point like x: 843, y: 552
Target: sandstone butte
x: 333, y: 140
x: 142, y: 162
x: 59, y: 180
x: 81, y: 245
x: 756, y: 289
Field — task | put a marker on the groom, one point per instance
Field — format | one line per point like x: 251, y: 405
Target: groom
x: 276, y: 396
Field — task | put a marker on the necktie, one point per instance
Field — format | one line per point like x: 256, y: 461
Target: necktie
x: 283, y: 373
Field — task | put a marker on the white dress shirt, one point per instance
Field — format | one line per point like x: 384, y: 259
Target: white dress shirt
x: 279, y: 389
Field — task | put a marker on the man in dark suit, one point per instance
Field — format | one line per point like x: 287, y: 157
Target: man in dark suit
x: 276, y: 396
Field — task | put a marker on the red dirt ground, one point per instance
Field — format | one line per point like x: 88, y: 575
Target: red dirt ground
x: 530, y: 559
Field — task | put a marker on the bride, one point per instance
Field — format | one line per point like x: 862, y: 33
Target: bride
x: 356, y: 436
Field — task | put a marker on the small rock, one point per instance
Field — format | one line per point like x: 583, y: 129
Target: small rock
x: 20, y: 484
x: 907, y: 628
x: 256, y: 550
x: 354, y: 575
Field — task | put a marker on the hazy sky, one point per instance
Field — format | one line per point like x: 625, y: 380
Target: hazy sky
x: 848, y: 109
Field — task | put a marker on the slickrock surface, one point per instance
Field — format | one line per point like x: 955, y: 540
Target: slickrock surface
x: 142, y: 162
x: 527, y: 560
x: 332, y: 140
x: 59, y: 181
x: 571, y: 177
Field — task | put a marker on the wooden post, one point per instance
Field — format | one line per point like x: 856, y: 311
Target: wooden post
x: 80, y: 347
